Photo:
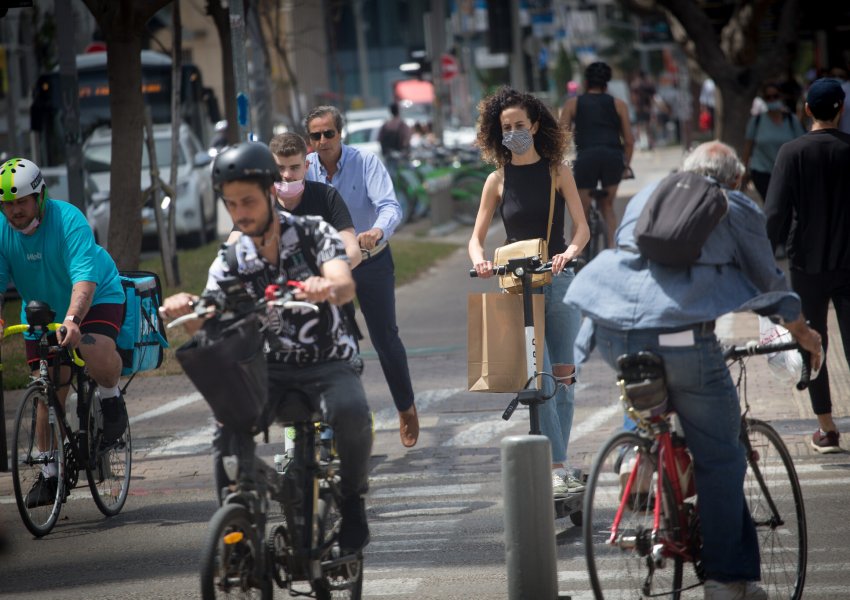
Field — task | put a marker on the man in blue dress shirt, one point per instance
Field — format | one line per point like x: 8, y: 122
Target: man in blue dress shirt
x: 367, y: 189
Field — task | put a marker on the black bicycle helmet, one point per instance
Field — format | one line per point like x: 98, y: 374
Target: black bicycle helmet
x: 597, y: 74
x: 247, y: 160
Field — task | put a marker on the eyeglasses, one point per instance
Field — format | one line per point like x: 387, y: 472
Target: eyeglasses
x: 328, y: 133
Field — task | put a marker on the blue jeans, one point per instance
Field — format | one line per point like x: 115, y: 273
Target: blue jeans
x: 375, y: 279
x: 562, y: 324
x: 701, y: 391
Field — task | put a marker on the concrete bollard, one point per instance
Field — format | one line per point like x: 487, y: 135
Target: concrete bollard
x: 529, y: 518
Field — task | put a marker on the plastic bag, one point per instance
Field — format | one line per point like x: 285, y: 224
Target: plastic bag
x: 788, y: 365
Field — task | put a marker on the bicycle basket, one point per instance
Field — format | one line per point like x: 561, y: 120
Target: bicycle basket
x: 229, y: 369
x: 642, y: 380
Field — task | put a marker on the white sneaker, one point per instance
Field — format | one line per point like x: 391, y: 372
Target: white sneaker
x: 734, y: 590
x: 559, y: 483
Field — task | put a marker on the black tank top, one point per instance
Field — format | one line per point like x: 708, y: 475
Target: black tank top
x: 525, y: 205
x: 596, y: 122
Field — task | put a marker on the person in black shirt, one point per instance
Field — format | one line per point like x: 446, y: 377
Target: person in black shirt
x: 807, y: 208
x: 603, y: 139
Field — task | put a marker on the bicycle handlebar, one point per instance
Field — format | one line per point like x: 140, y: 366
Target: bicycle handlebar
x: 275, y: 296
x: 23, y: 328
x: 753, y: 348
x: 576, y: 263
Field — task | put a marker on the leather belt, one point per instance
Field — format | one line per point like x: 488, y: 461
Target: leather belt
x: 367, y: 254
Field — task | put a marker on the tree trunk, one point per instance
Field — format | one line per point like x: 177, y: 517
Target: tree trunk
x: 732, y: 114
x: 128, y: 108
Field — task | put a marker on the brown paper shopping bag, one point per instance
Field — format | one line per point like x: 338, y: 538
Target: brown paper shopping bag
x: 496, y: 341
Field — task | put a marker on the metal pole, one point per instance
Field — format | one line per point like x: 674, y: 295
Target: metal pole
x: 438, y: 46
x: 529, y: 518
x: 70, y: 103
x: 240, y: 68
x: 362, y: 58
x: 517, y: 57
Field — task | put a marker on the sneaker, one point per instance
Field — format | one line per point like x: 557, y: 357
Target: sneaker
x: 574, y: 484
x: 826, y: 442
x: 114, y: 418
x: 354, y: 529
x: 559, y: 483
x: 734, y: 590
x: 42, y: 492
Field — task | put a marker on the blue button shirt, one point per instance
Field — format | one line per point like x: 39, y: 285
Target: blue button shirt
x: 621, y: 290
x: 366, y: 187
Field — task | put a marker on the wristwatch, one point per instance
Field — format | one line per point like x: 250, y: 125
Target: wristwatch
x: 74, y: 319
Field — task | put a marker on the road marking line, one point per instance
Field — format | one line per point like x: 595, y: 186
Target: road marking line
x: 428, y: 491
x: 176, y: 404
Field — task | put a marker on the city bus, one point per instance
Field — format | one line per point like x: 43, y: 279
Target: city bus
x: 47, y: 115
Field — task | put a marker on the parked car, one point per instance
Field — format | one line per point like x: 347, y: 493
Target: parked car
x: 364, y: 135
x: 196, y: 207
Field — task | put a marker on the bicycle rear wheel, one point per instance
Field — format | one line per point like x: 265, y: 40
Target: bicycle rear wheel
x: 230, y: 557
x: 598, y: 234
x: 39, y: 498
x: 341, y: 579
x: 624, y: 568
x: 108, y: 466
x: 782, y: 537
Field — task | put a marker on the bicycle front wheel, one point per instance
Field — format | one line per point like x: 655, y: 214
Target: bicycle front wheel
x: 231, y: 556
x: 341, y: 579
x: 108, y: 466
x: 775, y: 500
x: 36, y: 454
x: 622, y: 566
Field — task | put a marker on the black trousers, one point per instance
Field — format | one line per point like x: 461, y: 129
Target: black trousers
x: 816, y: 290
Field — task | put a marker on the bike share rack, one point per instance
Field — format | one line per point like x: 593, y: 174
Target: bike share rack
x: 526, y: 478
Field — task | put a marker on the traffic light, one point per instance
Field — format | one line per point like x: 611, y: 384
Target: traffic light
x: 499, y: 38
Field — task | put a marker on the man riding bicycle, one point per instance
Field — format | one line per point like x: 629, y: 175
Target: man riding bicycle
x: 309, y: 352
x: 48, y: 249
x: 636, y: 304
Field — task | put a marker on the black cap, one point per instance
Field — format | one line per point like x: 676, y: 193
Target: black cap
x: 825, y: 97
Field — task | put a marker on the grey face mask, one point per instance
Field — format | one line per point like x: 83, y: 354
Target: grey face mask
x: 517, y: 141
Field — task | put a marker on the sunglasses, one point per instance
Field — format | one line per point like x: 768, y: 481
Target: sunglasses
x: 328, y: 133
x: 771, y: 97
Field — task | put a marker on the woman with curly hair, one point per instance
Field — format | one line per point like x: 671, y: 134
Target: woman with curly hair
x: 518, y: 134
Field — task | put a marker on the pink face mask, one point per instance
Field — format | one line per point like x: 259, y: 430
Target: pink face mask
x: 288, y: 189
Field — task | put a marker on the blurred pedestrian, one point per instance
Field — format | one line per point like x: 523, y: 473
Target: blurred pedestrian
x: 367, y: 190
x: 642, y: 95
x: 518, y: 134
x: 765, y: 134
x: 603, y: 139
x: 807, y: 209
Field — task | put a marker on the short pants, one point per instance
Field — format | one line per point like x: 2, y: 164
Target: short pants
x: 601, y: 163
x: 103, y: 319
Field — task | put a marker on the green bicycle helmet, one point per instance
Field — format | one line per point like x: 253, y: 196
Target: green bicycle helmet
x: 20, y: 177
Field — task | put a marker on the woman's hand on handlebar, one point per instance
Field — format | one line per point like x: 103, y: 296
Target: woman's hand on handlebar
x: 483, y: 269
x: 561, y: 261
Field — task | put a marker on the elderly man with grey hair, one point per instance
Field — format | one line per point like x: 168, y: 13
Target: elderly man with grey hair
x: 633, y: 304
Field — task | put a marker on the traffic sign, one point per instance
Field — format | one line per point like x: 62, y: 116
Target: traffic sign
x: 448, y: 67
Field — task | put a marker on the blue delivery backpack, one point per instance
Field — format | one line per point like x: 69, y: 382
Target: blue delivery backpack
x: 141, y: 340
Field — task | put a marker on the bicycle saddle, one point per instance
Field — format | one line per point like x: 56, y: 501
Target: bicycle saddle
x: 39, y: 314
x: 295, y: 406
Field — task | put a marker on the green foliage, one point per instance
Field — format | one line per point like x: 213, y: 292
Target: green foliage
x: 563, y: 71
